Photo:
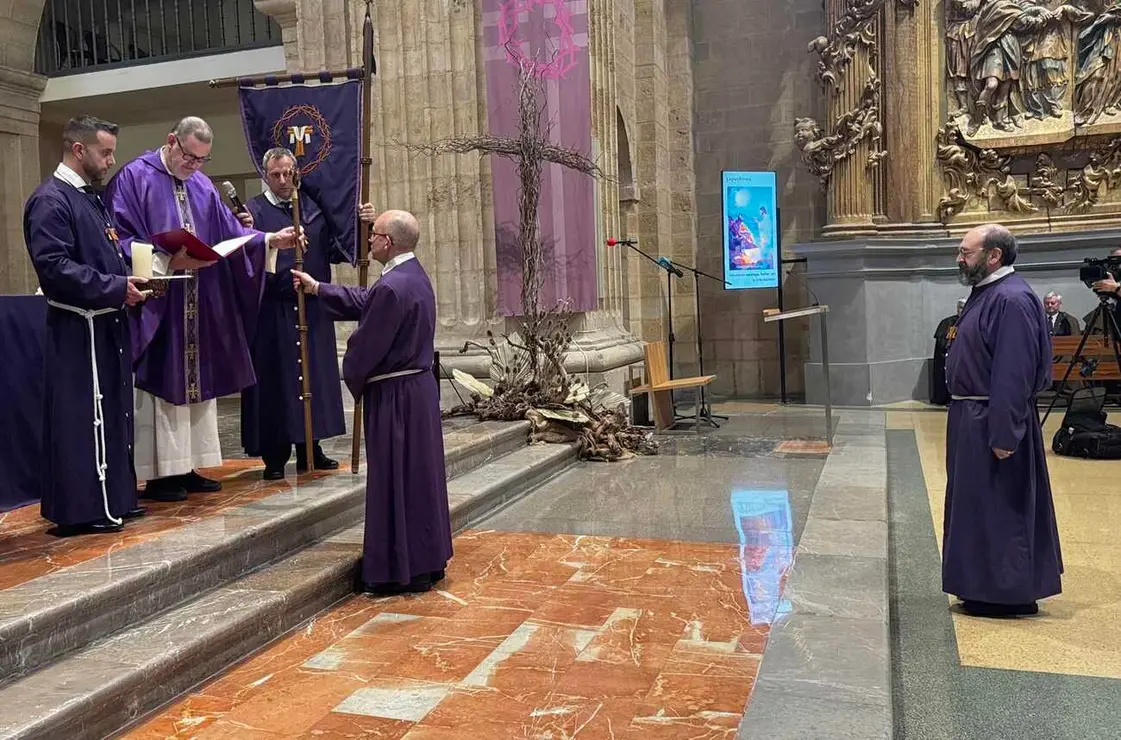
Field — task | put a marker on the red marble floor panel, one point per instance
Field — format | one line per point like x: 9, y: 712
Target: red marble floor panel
x: 643, y: 639
x: 27, y: 551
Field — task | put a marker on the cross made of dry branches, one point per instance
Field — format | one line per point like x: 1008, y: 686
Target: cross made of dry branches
x: 530, y: 150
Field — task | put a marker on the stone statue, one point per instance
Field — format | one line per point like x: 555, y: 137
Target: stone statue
x: 1098, y: 79
x: 959, y: 44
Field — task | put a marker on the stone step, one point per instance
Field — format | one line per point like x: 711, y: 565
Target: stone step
x: 116, y: 681
x: 50, y: 616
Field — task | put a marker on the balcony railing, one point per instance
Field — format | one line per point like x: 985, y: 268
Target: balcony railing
x: 88, y: 35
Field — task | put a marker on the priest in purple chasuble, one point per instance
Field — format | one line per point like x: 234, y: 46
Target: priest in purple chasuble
x: 88, y: 484
x: 192, y: 344
x: 1000, y: 544
x: 272, y: 411
x: 388, y: 363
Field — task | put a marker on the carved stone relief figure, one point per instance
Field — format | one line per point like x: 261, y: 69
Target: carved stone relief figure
x: 1098, y: 80
x: 959, y: 45
x: 996, y: 62
x: 1046, y: 64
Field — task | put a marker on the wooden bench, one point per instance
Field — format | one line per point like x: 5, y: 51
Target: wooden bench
x: 660, y: 387
x: 1097, y: 350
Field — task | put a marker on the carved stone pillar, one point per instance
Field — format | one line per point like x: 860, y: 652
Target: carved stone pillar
x: 19, y: 151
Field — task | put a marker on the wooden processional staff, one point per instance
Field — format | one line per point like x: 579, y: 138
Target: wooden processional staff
x: 301, y: 313
x: 369, y: 68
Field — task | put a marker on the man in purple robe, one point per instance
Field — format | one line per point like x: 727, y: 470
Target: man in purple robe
x: 1000, y: 543
x: 88, y: 484
x: 272, y: 411
x: 191, y: 345
x: 388, y: 364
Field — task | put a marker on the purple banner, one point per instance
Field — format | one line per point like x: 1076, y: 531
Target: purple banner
x: 553, y: 35
x: 322, y: 126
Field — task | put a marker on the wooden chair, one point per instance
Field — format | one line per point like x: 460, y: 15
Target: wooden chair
x: 661, y: 388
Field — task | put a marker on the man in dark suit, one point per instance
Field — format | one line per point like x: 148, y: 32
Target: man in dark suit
x: 1059, y: 322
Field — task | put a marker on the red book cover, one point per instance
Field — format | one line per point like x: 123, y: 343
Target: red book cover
x: 172, y: 241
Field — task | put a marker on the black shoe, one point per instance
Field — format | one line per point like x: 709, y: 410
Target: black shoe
x: 986, y: 609
x: 273, y: 474
x: 437, y: 575
x: 135, y: 513
x: 167, y: 490
x: 192, y: 482
x: 322, y: 462
x: 417, y: 585
x: 74, y: 530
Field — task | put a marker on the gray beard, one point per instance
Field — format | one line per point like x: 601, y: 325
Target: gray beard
x: 971, y: 275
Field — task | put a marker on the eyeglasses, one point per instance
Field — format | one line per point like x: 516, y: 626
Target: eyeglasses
x: 963, y: 253
x: 191, y: 158
x: 387, y: 237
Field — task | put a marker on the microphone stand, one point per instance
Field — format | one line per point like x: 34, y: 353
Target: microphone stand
x: 669, y: 299
x: 706, y: 409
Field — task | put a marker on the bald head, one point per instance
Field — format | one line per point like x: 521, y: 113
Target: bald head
x: 193, y: 126
x: 984, y: 250
x: 401, y: 227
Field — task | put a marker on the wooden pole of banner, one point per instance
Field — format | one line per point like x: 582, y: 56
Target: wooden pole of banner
x: 353, y: 73
x: 301, y: 312
x: 370, y: 68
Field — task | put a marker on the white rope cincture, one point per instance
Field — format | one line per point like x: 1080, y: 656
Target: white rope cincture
x: 100, y: 449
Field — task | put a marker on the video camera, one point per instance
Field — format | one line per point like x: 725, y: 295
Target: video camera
x: 1094, y: 269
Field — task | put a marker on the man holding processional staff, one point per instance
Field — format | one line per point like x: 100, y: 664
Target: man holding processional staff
x: 190, y: 345
x: 272, y: 412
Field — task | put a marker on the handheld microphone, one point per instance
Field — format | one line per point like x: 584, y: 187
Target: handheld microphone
x: 231, y: 193
x: 626, y: 242
x: 664, y: 262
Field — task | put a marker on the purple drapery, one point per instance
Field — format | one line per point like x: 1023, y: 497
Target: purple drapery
x: 554, y: 35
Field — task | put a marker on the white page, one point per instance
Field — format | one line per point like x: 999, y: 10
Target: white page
x: 230, y: 246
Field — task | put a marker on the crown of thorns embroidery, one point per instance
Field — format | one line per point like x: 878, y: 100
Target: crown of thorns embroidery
x: 320, y: 128
x: 567, y: 50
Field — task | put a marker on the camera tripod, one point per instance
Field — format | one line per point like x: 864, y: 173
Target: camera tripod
x: 1112, y: 334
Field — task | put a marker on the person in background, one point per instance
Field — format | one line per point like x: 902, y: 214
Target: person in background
x: 942, y: 337
x: 272, y: 411
x: 1059, y: 322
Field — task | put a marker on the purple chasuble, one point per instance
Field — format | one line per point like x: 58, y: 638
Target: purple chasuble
x: 408, y: 525
x: 191, y: 344
x: 70, y: 239
x: 1000, y: 538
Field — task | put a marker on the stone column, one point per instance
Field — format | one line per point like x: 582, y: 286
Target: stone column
x: 19, y: 151
x: 851, y: 201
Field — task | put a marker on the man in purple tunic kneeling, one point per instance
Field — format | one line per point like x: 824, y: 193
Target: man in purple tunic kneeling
x: 388, y: 364
x: 1000, y: 544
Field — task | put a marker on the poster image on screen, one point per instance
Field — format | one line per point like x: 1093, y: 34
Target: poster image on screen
x: 751, y: 249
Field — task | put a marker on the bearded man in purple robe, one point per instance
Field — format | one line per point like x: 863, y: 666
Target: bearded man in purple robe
x: 88, y: 484
x: 388, y: 363
x: 191, y: 345
x: 1000, y: 543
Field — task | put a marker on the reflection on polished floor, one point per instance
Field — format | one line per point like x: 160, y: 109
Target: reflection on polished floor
x: 531, y: 635
x: 1076, y: 632
x: 618, y: 600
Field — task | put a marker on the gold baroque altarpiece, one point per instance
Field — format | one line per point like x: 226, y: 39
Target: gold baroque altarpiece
x: 1005, y: 110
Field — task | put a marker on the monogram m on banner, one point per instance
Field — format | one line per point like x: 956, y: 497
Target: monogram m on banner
x: 323, y: 118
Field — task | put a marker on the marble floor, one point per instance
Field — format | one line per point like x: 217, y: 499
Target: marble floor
x: 1054, y: 676
x: 631, y: 599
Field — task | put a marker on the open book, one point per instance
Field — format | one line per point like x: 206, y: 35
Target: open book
x: 172, y: 241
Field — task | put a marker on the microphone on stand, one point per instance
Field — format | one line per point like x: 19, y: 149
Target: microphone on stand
x: 626, y: 242
x: 231, y: 193
x: 665, y: 262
